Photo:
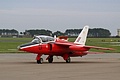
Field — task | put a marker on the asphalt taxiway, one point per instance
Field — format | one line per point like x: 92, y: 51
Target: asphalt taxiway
x: 90, y: 67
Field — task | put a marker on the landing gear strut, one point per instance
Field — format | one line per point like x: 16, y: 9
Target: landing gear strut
x: 68, y: 60
x: 39, y: 59
x: 66, y: 57
x: 50, y: 59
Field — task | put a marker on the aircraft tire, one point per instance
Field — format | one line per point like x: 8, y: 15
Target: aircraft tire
x: 40, y: 61
x: 68, y: 60
x: 50, y: 60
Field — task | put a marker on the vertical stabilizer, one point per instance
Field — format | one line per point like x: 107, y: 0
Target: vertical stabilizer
x: 81, y: 39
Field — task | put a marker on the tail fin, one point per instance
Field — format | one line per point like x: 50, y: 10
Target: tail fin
x: 81, y: 39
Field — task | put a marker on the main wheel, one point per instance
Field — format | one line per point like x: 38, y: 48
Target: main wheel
x: 68, y: 60
x: 50, y: 60
x: 40, y: 61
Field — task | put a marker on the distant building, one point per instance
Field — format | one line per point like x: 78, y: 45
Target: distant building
x: 118, y: 32
x: 8, y: 33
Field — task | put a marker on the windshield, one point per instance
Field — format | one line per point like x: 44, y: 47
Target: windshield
x: 36, y: 40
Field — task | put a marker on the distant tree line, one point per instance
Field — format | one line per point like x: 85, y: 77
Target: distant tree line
x: 99, y: 32
x: 38, y: 32
x: 96, y: 32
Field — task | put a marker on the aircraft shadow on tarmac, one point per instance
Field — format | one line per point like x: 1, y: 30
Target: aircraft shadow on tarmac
x: 74, y: 62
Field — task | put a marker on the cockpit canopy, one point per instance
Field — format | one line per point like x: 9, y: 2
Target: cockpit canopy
x: 42, y: 39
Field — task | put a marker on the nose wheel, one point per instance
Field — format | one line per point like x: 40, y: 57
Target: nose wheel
x: 40, y: 61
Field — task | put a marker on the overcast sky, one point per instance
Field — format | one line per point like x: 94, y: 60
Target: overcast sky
x: 59, y: 14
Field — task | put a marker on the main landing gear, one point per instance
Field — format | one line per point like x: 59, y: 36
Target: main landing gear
x: 68, y: 60
x: 66, y: 57
x: 50, y: 59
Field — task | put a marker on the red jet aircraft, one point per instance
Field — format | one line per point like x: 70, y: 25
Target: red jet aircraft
x: 59, y: 47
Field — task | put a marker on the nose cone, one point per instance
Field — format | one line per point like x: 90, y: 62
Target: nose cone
x: 26, y: 47
x: 20, y: 48
x: 23, y: 46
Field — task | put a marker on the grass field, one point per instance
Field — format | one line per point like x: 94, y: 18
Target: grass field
x: 9, y: 45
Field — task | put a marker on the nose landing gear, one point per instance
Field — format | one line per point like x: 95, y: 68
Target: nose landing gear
x: 39, y: 59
